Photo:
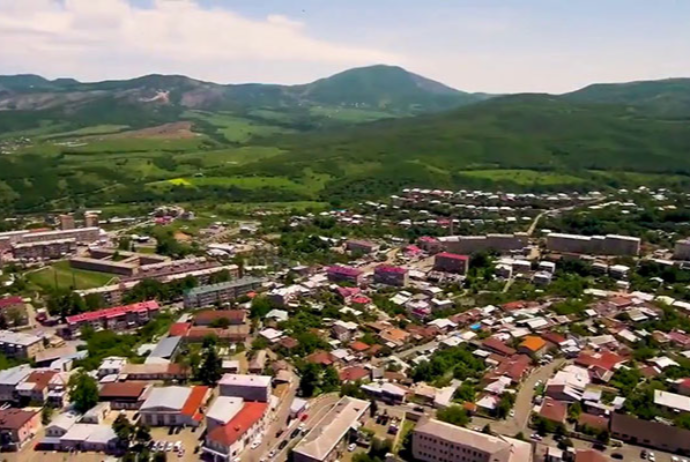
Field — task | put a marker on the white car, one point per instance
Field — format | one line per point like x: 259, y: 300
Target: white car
x: 272, y: 454
x: 169, y: 446
x: 512, y: 413
x: 352, y: 447
x: 651, y: 457
x: 178, y: 446
x: 256, y: 444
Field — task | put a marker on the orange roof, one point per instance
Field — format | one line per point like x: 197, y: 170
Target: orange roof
x: 194, y: 401
x: 395, y: 334
x: 235, y: 429
x: 41, y: 378
x: 179, y: 329
x: 359, y: 346
x: 533, y: 343
x: 353, y: 373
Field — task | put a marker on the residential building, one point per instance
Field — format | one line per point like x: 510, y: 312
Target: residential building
x: 36, y: 386
x: 326, y: 441
x: 44, y: 250
x: 257, y: 363
x: 17, y: 427
x: 124, y: 395
x: 66, y: 221
x: 15, y: 302
x: 164, y: 372
x: 610, y: 244
x: 451, y: 263
x: 232, y: 424
x: 533, y: 346
x: 682, y: 250
x: 174, y: 406
x: 232, y: 317
x: 247, y: 387
x: 111, y: 365
x: 363, y: 247
x: 391, y: 275
x: 89, y: 437
x: 650, y: 433
x: 220, y: 293
x: 19, y: 345
x: 344, y: 330
x: 468, y: 245
x: 344, y: 274
x: 10, y: 378
x: 436, y: 441
x: 115, y: 261
x: 117, y: 318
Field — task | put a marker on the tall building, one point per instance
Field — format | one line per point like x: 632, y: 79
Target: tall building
x: 452, y: 263
x: 682, y: 250
x: 90, y: 219
x: 436, y: 441
x: 66, y: 222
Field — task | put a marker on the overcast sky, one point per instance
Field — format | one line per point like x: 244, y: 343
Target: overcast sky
x: 482, y: 45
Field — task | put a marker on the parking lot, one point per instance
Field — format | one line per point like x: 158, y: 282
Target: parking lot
x: 188, y: 439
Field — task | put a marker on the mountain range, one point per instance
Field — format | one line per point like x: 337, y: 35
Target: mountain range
x: 360, y: 133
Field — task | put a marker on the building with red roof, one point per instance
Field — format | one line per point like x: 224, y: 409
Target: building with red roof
x: 344, y: 274
x: 245, y: 422
x: 11, y: 302
x: 555, y: 411
x: 117, y: 318
x: 323, y: 358
x: 391, y: 275
x: 451, y: 263
x: 179, y: 329
x: 359, y: 347
x: 354, y: 373
x: 495, y: 345
x: 233, y: 317
x: 429, y: 244
x: 604, y: 360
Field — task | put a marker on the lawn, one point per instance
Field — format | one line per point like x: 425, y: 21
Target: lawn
x: 67, y: 277
x: 349, y: 114
x: 86, y: 131
x: 236, y: 129
x: 524, y: 177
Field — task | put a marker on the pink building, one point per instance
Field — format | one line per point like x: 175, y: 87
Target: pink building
x: 390, y: 275
x: 344, y: 274
x: 117, y: 318
x: 452, y: 263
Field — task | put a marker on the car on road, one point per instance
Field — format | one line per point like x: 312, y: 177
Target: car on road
x: 282, y: 445
x: 178, y: 446
x: 272, y: 454
x: 295, y: 433
x: 617, y: 455
x: 536, y: 437
x: 352, y: 447
x: 512, y: 412
x: 304, y: 417
x: 256, y: 444
x: 651, y: 457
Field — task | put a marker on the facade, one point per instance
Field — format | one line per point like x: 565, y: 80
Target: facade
x: 124, y: 395
x: 44, y: 250
x: 364, y: 247
x: 174, y: 406
x: 232, y: 425
x: 81, y: 235
x: 17, y: 427
x: 247, y: 387
x: 91, y: 219
x: 170, y: 371
x: 391, y: 275
x: 326, y: 441
x: 117, y: 318
x: 223, y: 292
x: 650, y: 433
x: 19, y: 345
x: 344, y: 274
x: 682, y: 250
x: 234, y: 317
x: 66, y: 221
x: 104, y: 260
x: 436, y: 441
x: 451, y: 263
x: 611, y: 244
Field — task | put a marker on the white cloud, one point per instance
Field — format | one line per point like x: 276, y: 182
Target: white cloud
x: 99, y: 39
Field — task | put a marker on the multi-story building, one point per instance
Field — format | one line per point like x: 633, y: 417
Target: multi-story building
x: 247, y: 387
x: 682, y: 250
x: 222, y: 292
x: 10, y: 378
x: 327, y: 440
x: 344, y: 274
x: 344, y: 331
x: 17, y: 427
x: 82, y: 235
x: 66, y: 221
x: 436, y: 441
x: 363, y: 247
x: 232, y: 424
x: 611, y: 244
x: 44, y: 250
x: 91, y: 219
x: 391, y: 275
x: 20, y: 345
x: 114, y: 261
x: 473, y: 244
x: 451, y: 263
x: 117, y: 318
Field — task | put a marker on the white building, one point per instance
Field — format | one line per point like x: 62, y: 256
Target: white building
x: 247, y: 387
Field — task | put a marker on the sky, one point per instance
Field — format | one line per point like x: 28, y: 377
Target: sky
x: 491, y: 46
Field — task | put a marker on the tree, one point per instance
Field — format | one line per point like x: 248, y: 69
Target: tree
x: 46, y: 415
x: 143, y: 434
x: 83, y: 391
x: 160, y: 457
x: 221, y: 323
x: 211, y: 368
x: 309, y: 381
x: 373, y: 408
x: 574, y: 411
x: 330, y: 380
x: 455, y: 415
x: 487, y: 429
x: 261, y: 306
x: 465, y: 392
x: 94, y: 301
x: 505, y: 405
x: 124, y: 430
x: 380, y: 447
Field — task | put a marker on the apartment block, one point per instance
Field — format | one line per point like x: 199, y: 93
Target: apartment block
x: 472, y: 244
x: 359, y: 246
x: 117, y: 318
x: 682, y: 250
x: 391, y: 275
x: 344, y: 274
x: 451, y: 263
x: 611, y: 244
x: 436, y: 441
x: 222, y: 292
x: 19, y: 345
x: 44, y: 250
x: 114, y: 261
x: 247, y: 387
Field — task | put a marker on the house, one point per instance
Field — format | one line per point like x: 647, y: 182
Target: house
x: 247, y: 387
x: 61, y: 424
x: 19, y: 345
x: 359, y: 347
x: 387, y: 392
x: 451, y: 263
x: 391, y: 275
x: 174, y: 406
x: 257, y: 364
x: 354, y: 373
x: 111, y: 365
x: 555, y: 411
x: 124, y: 395
x: 361, y: 247
x: 36, y: 387
x: 97, y: 414
x: 344, y: 274
x: 89, y: 437
x: 17, y: 427
x: 232, y: 425
x: 495, y: 345
x: 394, y: 337
x: 322, y: 358
x: 533, y: 346
x: 163, y: 372
x: 228, y: 317
x: 272, y: 335
x: 650, y: 433
x: 117, y: 319
x: 329, y: 436
x: 671, y: 401
x: 288, y: 343
x: 10, y: 378
x: 344, y: 330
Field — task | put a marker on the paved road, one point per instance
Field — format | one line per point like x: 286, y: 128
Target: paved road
x: 523, y: 403
x: 407, y: 353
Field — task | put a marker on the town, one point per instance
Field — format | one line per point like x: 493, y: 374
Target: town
x: 434, y: 326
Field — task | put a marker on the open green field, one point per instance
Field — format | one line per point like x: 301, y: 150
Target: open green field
x: 87, y: 131
x: 524, y: 177
x: 350, y: 115
x: 236, y: 129
x: 67, y: 277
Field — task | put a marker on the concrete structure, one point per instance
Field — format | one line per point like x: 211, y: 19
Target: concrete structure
x: 174, y: 406
x: 327, y: 439
x: 222, y: 292
x: 247, y: 387
x: 391, y: 275
x: 472, y: 244
x: 81, y: 235
x: 44, y: 250
x: 451, y: 263
x: 20, y: 345
x: 114, y: 261
x: 17, y: 427
x: 650, y: 433
x: 117, y: 319
x: 611, y: 244
x: 232, y: 424
x: 363, y: 247
x: 91, y: 219
x: 436, y: 441
x: 344, y: 274
x: 682, y: 249
x: 66, y: 221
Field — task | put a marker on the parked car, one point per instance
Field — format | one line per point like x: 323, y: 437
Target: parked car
x: 352, y: 447
x: 282, y: 445
x: 169, y: 446
x: 304, y: 417
x: 295, y: 433
x: 617, y: 455
x: 256, y: 444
